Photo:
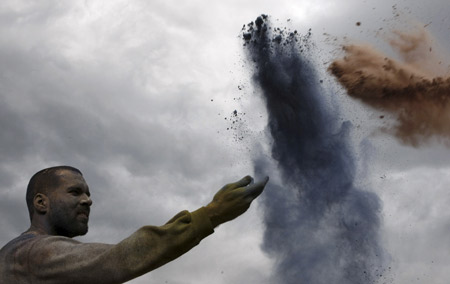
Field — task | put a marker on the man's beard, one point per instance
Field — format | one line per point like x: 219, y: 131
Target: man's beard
x: 67, y: 223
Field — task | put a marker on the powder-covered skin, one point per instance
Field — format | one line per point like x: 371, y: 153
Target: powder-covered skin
x: 319, y: 226
x: 33, y: 258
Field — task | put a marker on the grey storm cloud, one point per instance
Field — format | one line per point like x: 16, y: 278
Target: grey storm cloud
x: 56, y: 110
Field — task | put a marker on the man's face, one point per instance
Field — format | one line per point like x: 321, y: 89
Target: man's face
x: 69, y: 205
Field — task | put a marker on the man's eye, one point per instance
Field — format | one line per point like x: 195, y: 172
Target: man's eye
x: 74, y: 192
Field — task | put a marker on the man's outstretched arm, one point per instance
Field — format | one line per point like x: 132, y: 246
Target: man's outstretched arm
x: 56, y: 259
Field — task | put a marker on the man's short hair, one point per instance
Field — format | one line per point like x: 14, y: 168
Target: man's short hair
x: 42, y: 181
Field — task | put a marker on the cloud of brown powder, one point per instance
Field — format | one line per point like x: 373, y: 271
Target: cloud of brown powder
x: 415, y: 89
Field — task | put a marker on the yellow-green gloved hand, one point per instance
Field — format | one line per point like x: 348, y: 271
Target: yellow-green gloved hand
x: 234, y: 199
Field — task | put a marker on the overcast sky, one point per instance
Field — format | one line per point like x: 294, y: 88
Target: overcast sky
x: 135, y: 94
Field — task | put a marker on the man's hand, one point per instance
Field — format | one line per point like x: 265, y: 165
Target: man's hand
x: 234, y: 199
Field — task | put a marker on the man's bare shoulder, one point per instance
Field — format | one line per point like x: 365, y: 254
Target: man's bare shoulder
x: 27, y: 240
x: 21, y: 242
x: 13, y: 261
x: 30, y: 254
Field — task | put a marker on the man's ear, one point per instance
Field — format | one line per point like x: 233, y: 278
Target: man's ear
x: 41, y: 203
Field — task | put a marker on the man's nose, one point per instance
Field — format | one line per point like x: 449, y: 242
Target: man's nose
x: 86, y: 200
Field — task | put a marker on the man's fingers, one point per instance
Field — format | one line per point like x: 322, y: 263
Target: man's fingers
x: 256, y: 189
x: 242, y: 182
x: 232, y: 186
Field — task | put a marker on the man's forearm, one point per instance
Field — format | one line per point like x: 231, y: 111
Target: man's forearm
x: 151, y: 247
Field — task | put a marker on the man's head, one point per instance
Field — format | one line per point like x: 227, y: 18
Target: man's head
x: 58, y: 200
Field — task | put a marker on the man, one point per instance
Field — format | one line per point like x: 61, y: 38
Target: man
x: 58, y: 200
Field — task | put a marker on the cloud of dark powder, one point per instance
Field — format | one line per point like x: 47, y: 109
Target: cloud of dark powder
x: 320, y: 227
x: 414, y: 89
